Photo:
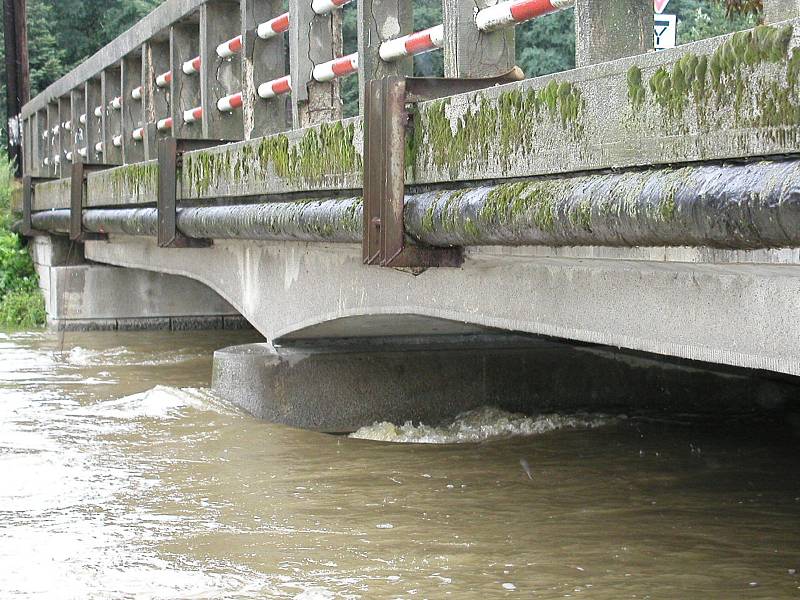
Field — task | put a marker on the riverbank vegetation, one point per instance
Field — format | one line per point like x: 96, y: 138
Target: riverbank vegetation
x: 21, y: 301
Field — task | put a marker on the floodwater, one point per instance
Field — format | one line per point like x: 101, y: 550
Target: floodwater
x: 121, y: 476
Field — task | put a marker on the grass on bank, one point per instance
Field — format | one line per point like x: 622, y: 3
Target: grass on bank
x: 21, y: 301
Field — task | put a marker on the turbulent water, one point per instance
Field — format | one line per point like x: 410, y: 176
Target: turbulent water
x: 123, y: 476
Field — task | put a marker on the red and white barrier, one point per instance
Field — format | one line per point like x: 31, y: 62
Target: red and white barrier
x: 98, y: 111
x: 69, y: 156
x: 45, y: 134
x: 230, y: 103
x: 193, y: 115
x: 55, y: 130
x: 273, y: 27
x: 84, y: 152
x: 192, y: 67
x: 138, y: 134
x: 413, y: 44
x: 164, y: 79
x: 276, y: 87
x: 67, y: 126
x: 83, y: 119
x: 117, y: 141
x: 98, y: 147
x: 57, y: 160
x: 230, y: 48
x: 116, y: 103
x: 46, y: 161
x: 338, y: 67
x: 164, y: 124
x: 508, y: 14
x: 323, y: 7
x: 136, y: 93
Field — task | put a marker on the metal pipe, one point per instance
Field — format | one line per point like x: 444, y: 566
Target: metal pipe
x: 509, y: 14
x: 413, y: 44
x: 748, y: 206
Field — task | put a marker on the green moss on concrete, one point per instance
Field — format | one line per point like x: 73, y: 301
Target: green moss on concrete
x: 139, y: 180
x: 496, y: 128
x: 636, y: 90
x: 322, y: 152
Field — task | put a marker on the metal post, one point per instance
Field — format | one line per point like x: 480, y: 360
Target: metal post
x: 313, y: 39
x: 379, y: 21
x: 262, y: 60
x: 611, y: 29
x: 470, y: 52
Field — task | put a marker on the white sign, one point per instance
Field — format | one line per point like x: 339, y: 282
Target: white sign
x: 660, y: 5
x: 665, y: 28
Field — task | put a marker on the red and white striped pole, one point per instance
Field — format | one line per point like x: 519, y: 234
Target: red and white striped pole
x: 84, y: 152
x: 83, y: 119
x: 117, y: 140
x: 230, y: 48
x: 98, y: 111
x: 136, y: 93
x: 276, y: 87
x: 98, y: 147
x: 164, y: 124
x: 193, y: 115
x: 338, y: 67
x: 323, y: 7
x: 192, y: 67
x: 413, y: 44
x: 273, y: 27
x: 67, y: 126
x: 138, y: 134
x: 116, y: 103
x: 508, y: 14
x: 164, y: 79
x: 230, y: 103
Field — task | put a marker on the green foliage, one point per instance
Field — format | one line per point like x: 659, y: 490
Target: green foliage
x: 21, y: 302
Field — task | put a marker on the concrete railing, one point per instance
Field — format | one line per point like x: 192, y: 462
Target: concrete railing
x: 216, y: 69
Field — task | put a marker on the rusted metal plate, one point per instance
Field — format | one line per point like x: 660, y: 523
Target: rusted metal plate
x: 28, y: 191
x: 170, y: 154
x: 77, y: 201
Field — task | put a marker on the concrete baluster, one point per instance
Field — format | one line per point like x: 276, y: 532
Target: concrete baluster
x: 38, y: 144
x: 156, y: 101
x: 220, y: 21
x: 611, y: 29
x: 94, y: 124
x: 781, y: 10
x: 262, y: 60
x: 470, y: 52
x: 379, y: 21
x: 132, y: 114
x: 185, y: 87
x: 313, y: 39
x: 52, y: 160
x: 111, y: 118
x: 77, y: 135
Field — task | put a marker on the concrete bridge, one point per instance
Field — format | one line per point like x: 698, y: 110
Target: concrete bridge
x: 479, y: 239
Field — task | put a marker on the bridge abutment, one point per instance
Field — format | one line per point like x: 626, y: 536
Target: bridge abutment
x: 81, y: 295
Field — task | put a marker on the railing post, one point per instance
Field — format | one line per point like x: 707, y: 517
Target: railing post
x: 27, y: 146
x: 379, y: 21
x: 132, y: 114
x: 781, y: 10
x: 78, y: 134
x: 94, y: 124
x: 38, y: 144
x: 262, y: 61
x: 611, y: 29
x: 155, y: 100
x: 184, y: 89
x: 470, y: 52
x: 53, y: 140
x: 110, y: 117
x: 219, y: 21
x: 313, y: 39
x: 65, y: 137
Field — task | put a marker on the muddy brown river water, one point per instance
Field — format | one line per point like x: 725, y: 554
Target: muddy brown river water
x: 122, y: 476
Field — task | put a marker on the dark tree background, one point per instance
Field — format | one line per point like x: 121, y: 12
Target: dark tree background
x: 62, y: 33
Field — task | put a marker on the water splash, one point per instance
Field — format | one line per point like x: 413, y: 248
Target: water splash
x: 160, y: 402
x: 480, y: 425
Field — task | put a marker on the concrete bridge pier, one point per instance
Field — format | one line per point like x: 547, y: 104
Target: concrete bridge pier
x: 338, y: 385
x: 82, y: 295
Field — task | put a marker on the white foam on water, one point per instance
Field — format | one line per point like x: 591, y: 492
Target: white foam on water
x: 161, y: 402
x: 482, y: 424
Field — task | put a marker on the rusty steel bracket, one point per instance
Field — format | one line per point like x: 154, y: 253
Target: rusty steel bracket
x: 28, y: 194
x: 386, y: 123
x: 77, y: 201
x: 170, y: 159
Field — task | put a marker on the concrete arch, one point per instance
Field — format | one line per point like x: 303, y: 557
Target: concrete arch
x: 735, y: 314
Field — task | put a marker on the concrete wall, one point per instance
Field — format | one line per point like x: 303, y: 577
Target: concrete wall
x: 732, y: 308
x: 81, y: 295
